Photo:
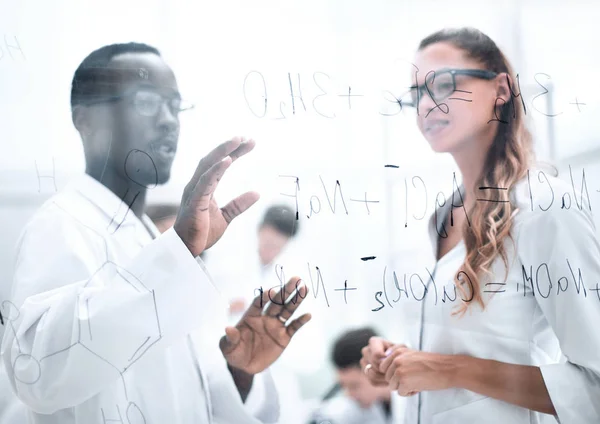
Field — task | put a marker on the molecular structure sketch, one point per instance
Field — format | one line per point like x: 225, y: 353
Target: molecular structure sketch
x: 125, y: 283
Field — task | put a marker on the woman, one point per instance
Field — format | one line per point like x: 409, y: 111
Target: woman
x: 520, y: 344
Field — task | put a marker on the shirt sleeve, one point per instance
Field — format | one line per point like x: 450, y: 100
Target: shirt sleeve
x: 261, y: 406
x: 559, y: 249
x: 77, y: 320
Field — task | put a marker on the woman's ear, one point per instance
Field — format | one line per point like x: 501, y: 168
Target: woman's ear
x: 504, y: 83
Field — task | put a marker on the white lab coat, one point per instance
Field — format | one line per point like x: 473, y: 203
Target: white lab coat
x: 108, y: 324
x: 342, y: 409
x: 557, y: 332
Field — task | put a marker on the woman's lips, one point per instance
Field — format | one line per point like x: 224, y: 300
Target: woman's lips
x: 435, y: 126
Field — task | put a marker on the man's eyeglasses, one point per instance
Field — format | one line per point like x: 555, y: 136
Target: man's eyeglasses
x: 441, y: 84
x: 147, y: 102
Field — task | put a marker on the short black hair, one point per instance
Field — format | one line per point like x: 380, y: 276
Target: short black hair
x: 85, y: 84
x: 347, y: 348
x: 282, y: 218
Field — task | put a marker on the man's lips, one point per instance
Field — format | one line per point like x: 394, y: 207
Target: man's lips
x: 165, y: 146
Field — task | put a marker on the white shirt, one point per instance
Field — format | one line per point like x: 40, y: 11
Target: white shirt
x: 341, y: 409
x: 111, y: 326
x: 557, y: 332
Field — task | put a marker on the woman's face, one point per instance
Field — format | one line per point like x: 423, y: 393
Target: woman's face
x: 460, y: 121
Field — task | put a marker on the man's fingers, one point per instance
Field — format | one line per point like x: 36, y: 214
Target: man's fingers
x: 244, y: 148
x: 231, y: 339
x: 217, y: 154
x: 281, y: 303
x: 297, y: 324
x: 207, y: 184
x: 258, y: 304
x: 239, y: 205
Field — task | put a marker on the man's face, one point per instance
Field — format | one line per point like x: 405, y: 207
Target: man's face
x: 143, y: 127
x: 357, y: 386
x: 270, y: 243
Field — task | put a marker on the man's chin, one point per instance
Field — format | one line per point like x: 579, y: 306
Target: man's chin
x: 163, y: 178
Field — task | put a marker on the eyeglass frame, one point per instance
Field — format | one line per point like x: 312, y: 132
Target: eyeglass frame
x: 131, y: 93
x: 476, y: 73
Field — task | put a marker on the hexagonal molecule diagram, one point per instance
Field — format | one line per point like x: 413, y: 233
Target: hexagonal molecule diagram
x: 97, y: 303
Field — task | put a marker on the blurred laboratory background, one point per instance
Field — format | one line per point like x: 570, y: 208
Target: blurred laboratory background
x: 315, y: 83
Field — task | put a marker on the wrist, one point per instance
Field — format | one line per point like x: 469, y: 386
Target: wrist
x: 459, y: 371
x: 180, y: 234
x: 242, y: 379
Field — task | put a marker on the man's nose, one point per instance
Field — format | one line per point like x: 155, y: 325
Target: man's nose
x: 167, y: 120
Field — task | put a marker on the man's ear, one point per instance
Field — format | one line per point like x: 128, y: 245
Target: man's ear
x: 81, y: 119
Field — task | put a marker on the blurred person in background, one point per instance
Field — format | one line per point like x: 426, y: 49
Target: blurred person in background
x: 487, y: 352
x: 353, y: 399
x: 275, y: 231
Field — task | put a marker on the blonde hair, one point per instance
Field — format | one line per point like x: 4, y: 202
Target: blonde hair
x: 507, y: 161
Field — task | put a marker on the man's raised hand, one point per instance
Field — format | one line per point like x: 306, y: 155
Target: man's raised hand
x: 200, y: 222
x: 260, y: 337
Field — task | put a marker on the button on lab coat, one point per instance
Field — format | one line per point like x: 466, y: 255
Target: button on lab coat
x: 530, y: 321
x: 108, y: 325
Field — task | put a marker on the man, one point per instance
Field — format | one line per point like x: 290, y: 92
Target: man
x: 361, y: 402
x: 103, y: 305
x: 278, y: 227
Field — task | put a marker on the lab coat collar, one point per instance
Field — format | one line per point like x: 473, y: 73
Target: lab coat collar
x: 116, y: 211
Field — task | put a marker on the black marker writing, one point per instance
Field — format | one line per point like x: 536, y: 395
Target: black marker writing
x: 493, y: 189
x: 345, y: 289
x: 503, y: 109
x: 295, y: 195
x: 337, y: 185
x: 319, y: 280
x: 140, y: 166
x: 366, y: 202
x: 350, y: 95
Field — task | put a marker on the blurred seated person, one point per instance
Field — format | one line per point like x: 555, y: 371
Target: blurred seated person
x: 278, y: 226
x: 354, y: 400
x: 163, y: 215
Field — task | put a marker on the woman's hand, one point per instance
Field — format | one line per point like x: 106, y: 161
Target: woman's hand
x: 372, y: 355
x: 409, y: 371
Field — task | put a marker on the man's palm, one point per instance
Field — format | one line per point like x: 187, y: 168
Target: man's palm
x: 260, y: 338
x: 200, y: 222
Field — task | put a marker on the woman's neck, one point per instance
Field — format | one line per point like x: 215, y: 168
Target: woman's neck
x: 471, y: 163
